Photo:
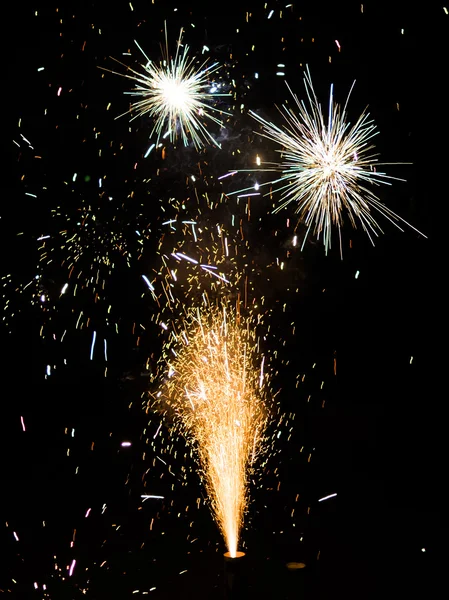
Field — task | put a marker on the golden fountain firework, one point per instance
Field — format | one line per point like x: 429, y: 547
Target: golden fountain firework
x: 218, y: 391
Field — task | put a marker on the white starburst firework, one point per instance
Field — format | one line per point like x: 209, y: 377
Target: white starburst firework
x: 177, y: 93
x: 327, y: 166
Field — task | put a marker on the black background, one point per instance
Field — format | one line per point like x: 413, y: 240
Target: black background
x: 379, y: 440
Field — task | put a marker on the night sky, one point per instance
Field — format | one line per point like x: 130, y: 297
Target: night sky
x: 360, y: 373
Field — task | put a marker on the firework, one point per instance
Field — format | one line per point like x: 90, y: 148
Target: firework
x: 176, y: 94
x: 218, y: 394
x: 327, y: 166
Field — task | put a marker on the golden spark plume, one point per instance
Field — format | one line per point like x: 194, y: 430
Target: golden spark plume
x: 217, y: 389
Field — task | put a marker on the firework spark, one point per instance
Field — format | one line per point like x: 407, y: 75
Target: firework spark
x: 327, y: 166
x: 217, y: 389
x: 176, y: 94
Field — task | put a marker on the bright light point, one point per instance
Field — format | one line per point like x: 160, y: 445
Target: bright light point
x: 270, y: 14
x: 48, y: 370
x: 256, y: 75
x: 174, y: 93
x: 125, y: 444
x: 258, y: 160
x: 256, y: 186
x: 280, y: 73
x: 423, y: 549
x: 357, y: 274
x: 64, y: 288
x: 295, y: 239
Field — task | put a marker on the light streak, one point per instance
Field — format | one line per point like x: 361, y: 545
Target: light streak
x: 147, y: 153
x: 327, y: 497
x: 147, y: 281
x: 185, y: 257
x: 247, y: 195
x: 228, y: 174
x: 151, y: 496
x: 94, y: 337
x: 72, y: 567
